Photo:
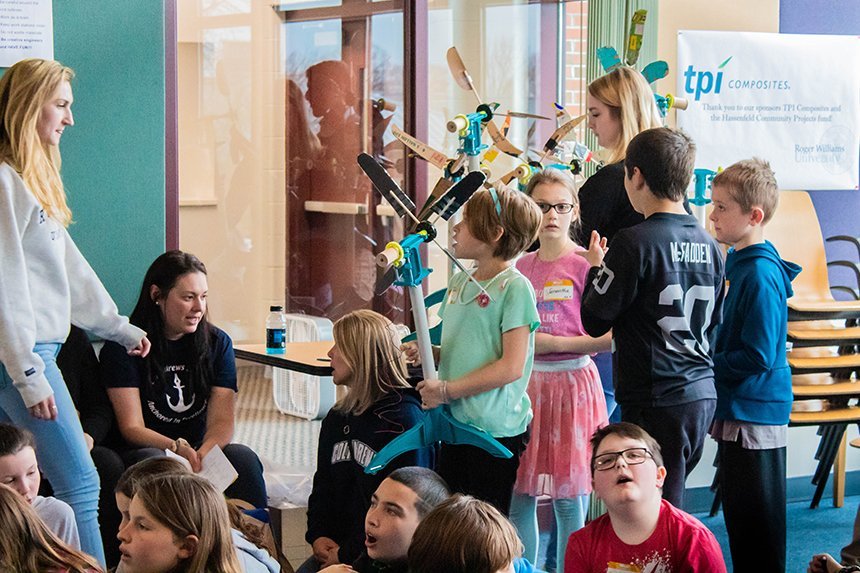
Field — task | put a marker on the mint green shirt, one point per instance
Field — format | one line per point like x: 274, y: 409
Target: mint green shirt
x: 472, y: 338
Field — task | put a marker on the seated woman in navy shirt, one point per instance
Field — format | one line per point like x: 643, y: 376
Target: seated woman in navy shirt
x: 182, y: 396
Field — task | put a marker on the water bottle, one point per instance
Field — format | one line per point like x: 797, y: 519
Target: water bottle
x: 276, y: 330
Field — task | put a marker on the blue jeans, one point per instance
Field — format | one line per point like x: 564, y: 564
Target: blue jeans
x: 569, y: 516
x: 60, y: 449
x: 603, y: 361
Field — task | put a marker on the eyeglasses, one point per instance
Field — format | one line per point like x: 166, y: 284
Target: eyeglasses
x: 560, y: 208
x: 632, y: 457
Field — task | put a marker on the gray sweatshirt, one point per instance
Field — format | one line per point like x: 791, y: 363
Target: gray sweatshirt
x: 45, y: 284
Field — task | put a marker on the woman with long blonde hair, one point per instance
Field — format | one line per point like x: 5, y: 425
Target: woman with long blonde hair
x: 620, y: 106
x: 46, y: 284
x: 177, y: 524
x: 28, y: 546
x: 378, y: 406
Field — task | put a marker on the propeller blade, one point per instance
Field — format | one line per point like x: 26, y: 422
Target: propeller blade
x: 509, y: 176
x: 386, y: 186
x: 500, y: 141
x: 506, y: 125
x: 608, y: 57
x: 442, y: 186
x: 655, y: 71
x: 559, y: 134
x: 460, y: 73
x: 436, y: 158
x: 457, y: 195
x: 464, y: 80
x: 384, y: 279
x: 634, y: 42
x: 522, y: 114
x: 532, y: 130
x: 562, y: 116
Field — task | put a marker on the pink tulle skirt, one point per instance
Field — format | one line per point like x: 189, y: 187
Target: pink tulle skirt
x: 568, y: 407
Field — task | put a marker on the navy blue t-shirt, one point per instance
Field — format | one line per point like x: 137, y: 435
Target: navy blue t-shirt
x: 177, y: 410
x: 660, y: 290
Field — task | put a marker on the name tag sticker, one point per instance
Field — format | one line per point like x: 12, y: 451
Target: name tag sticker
x: 558, y: 290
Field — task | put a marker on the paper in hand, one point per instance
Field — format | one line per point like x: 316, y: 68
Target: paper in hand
x: 215, y: 467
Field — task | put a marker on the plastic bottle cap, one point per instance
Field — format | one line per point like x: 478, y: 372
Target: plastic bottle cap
x: 274, y: 308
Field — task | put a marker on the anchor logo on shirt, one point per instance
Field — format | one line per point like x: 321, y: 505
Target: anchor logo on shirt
x: 180, y: 405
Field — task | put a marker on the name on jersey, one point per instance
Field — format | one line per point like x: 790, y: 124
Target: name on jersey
x: 342, y: 452
x: 690, y: 252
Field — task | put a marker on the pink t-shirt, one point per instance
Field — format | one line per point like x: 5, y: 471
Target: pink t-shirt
x: 558, y: 288
x: 679, y: 544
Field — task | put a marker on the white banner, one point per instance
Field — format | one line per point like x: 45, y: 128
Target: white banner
x: 791, y: 99
x: 26, y: 31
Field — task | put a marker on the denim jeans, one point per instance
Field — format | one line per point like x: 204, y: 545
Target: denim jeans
x: 60, y: 449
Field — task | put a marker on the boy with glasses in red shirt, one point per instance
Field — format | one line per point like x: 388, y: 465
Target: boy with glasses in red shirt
x: 641, y: 531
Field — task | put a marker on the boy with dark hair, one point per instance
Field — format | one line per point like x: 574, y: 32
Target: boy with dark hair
x: 641, y: 531
x: 660, y: 289
x: 397, y: 507
x: 753, y: 379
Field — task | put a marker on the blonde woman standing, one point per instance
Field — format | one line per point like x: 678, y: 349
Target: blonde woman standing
x: 620, y: 106
x: 45, y: 285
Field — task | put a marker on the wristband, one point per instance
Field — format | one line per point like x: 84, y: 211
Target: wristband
x: 445, y: 398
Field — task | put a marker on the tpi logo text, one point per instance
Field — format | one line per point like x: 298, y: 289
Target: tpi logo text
x: 706, y: 82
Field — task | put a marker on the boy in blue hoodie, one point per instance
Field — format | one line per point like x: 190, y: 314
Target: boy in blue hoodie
x: 752, y: 375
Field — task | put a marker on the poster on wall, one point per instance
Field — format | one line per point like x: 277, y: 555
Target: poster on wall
x: 26, y: 31
x: 791, y: 99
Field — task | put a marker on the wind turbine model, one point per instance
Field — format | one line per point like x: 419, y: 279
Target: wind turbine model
x: 403, y: 261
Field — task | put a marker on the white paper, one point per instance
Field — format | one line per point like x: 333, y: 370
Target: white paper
x: 215, y: 467
x: 791, y: 99
x: 26, y: 31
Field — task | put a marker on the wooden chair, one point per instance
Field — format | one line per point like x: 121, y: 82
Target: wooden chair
x: 822, y: 377
x: 795, y: 232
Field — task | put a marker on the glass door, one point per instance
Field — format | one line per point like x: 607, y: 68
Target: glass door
x: 344, y: 86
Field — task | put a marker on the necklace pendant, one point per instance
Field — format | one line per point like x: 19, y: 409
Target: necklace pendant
x: 483, y: 300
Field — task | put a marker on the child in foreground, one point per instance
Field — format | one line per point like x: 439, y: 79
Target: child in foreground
x: 20, y: 471
x: 640, y: 531
x: 28, y: 546
x: 378, y: 406
x: 466, y: 535
x: 399, y: 504
x: 252, y: 558
x: 177, y: 524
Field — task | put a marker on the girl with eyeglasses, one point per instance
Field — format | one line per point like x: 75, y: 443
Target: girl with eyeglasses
x: 565, y: 387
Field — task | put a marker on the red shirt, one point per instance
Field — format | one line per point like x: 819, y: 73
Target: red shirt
x: 679, y: 544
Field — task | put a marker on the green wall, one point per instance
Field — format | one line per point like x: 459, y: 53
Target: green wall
x: 113, y: 157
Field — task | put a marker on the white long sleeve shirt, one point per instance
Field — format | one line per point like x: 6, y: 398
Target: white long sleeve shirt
x: 45, y: 285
